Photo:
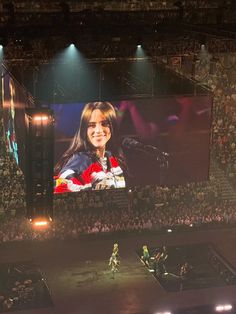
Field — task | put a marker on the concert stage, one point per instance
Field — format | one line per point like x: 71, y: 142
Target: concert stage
x: 206, y: 268
x: 79, y: 280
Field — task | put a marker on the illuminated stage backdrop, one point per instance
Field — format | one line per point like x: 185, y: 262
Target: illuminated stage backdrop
x: 15, y: 99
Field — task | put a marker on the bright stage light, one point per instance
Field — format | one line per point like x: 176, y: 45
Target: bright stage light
x: 42, y: 222
x: 40, y: 118
x: 72, y: 45
x: 140, y: 52
x: 219, y: 308
x: 1, y: 54
x: 223, y: 308
x: 228, y: 307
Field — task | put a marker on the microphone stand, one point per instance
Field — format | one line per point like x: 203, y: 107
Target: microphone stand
x: 164, y: 166
x: 161, y: 157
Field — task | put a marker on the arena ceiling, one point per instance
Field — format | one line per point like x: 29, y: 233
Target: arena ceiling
x: 34, y: 31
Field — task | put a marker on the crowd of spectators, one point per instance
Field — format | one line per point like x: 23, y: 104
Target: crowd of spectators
x: 87, y: 13
x: 224, y: 132
x: 148, y: 208
x: 217, y: 72
x: 222, y: 83
x: 12, y: 195
x: 71, y: 224
x: 54, y: 6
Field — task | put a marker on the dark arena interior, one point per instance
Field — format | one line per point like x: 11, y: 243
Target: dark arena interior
x: 118, y: 157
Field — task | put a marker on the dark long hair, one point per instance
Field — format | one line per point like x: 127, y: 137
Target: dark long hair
x: 80, y: 141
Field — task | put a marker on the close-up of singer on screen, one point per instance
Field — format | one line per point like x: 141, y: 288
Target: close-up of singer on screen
x: 94, y: 159
x: 121, y: 144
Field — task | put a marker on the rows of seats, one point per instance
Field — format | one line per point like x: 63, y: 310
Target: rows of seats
x: 150, y: 207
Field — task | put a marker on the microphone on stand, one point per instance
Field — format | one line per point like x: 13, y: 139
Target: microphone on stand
x: 131, y: 143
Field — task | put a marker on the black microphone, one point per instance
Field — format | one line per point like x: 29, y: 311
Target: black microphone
x: 131, y: 143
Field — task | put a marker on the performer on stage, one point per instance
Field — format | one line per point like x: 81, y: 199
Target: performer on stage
x: 145, y: 258
x: 114, y: 261
x: 159, y: 260
x: 114, y: 264
x: 186, y: 271
x: 164, y: 254
x: 116, y: 250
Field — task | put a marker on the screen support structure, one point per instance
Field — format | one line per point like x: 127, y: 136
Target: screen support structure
x: 39, y: 163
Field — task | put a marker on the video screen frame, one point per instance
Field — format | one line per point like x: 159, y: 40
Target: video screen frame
x: 164, y: 140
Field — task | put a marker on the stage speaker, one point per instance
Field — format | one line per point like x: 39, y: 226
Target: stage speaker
x: 39, y: 163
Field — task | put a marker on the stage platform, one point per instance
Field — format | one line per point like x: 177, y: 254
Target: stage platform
x: 80, y: 282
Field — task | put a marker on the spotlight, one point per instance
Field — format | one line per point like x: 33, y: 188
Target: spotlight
x: 1, y: 46
x: 169, y: 230
x: 139, y: 46
x: 40, y: 118
x: 41, y: 221
x: 223, y: 308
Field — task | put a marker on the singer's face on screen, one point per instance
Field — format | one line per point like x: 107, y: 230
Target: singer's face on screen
x: 98, y: 131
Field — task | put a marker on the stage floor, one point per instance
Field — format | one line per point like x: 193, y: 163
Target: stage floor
x: 80, y: 282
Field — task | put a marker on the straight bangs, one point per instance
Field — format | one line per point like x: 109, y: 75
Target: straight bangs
x: 110, y: 115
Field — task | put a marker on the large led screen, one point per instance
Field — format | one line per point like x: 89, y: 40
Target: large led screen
x: 117, y: 144
x: 15, y: 99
